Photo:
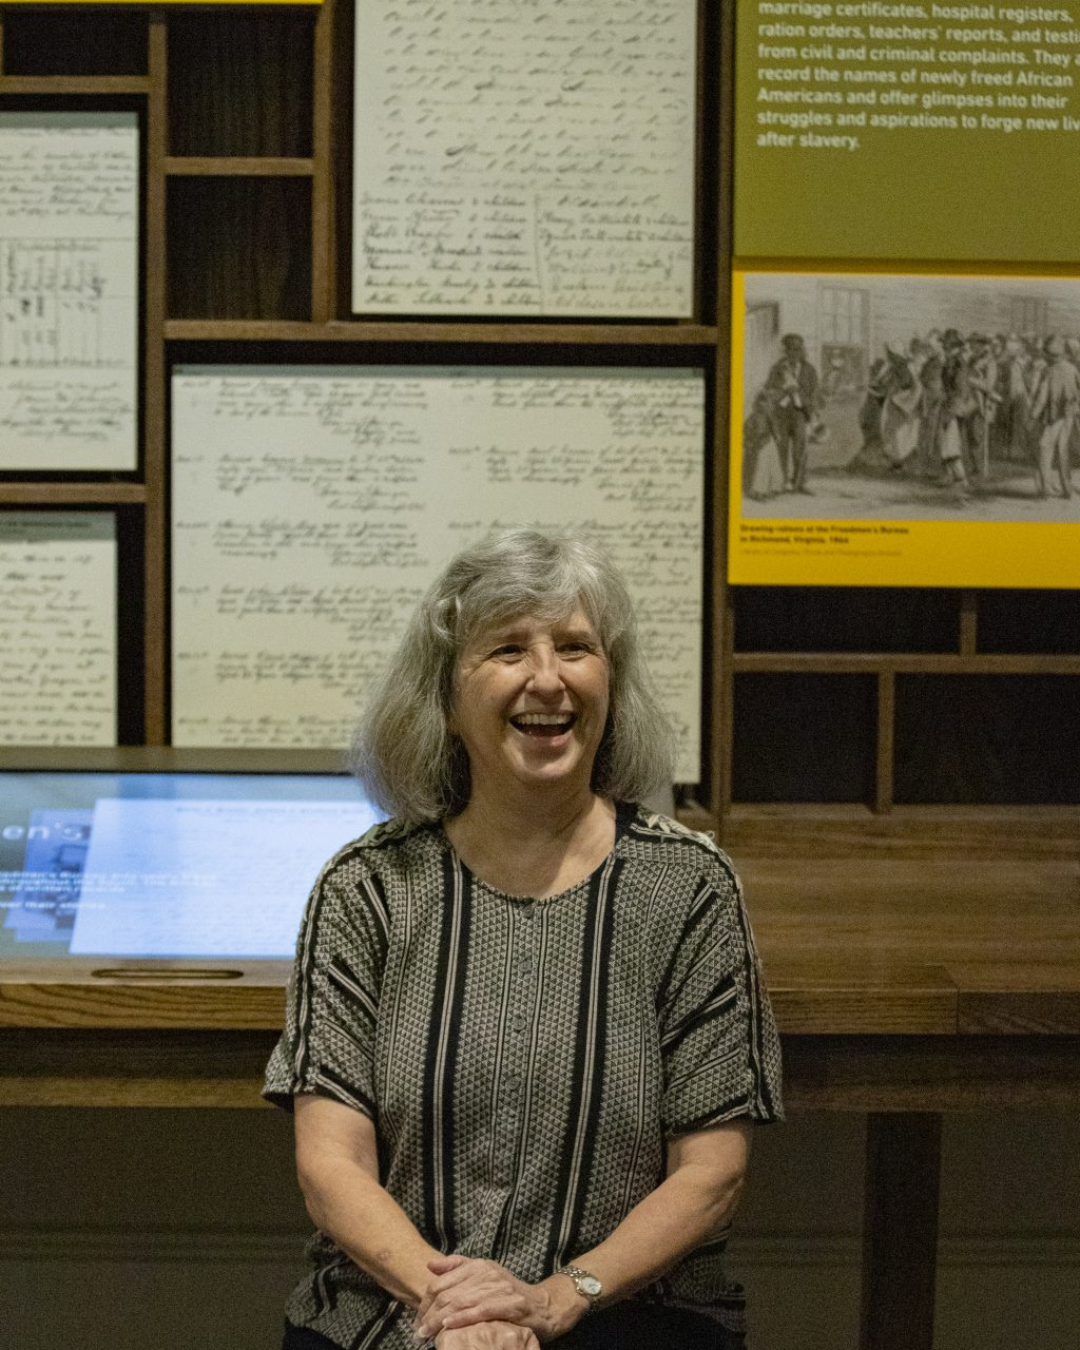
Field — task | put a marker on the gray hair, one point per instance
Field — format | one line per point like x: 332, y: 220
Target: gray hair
x: 403, y: 751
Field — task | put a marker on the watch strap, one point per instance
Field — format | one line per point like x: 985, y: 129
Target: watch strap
x: 587, y: 1285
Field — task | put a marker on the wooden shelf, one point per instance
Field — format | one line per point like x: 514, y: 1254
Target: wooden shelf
x: 908, y: 833
x: 904, y: 663
x: 100, y: 1067
x: 382, y: 331
x: 104, y: 85
x: 239, y: 166
x: 72, y: 494
x: 43, y: 1000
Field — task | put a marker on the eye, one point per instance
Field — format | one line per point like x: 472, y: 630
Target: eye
x: 576, y: 647
x: 507, y: 651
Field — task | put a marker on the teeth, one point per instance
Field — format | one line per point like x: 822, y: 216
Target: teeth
x: 544, y: 719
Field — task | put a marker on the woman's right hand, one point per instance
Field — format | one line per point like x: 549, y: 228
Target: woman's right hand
x: 487, y: 1336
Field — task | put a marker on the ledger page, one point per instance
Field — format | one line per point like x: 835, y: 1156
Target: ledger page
x: 69, y: 254
x: 313, y: 506
x: 516, y: 158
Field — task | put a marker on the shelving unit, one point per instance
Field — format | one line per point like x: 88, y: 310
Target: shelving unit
x: 834, y: 718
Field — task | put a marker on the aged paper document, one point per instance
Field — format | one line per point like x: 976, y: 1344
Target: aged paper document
x: 523, y: 158
x: 312, y: 506
x: 69, y: 252
x: 58, y: 628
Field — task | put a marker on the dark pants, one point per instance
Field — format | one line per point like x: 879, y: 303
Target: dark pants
x: 626, y: 1326
x: 791, y: 427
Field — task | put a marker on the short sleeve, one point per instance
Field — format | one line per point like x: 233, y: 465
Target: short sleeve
x: 718, y: 1040
x: 328, y: 1044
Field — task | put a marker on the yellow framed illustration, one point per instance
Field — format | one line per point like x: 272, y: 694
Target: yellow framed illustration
x: 904, y: 430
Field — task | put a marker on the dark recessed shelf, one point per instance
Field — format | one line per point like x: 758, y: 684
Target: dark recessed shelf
x: 239, y: 248
x: 845, y: 619
x: 1008, y: 739
x: 241, y: 83
x: 93, y: 42
x: 1029, y: 621
x: 804, y: 738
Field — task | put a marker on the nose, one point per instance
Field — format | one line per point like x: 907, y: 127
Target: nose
x: 545, y: 674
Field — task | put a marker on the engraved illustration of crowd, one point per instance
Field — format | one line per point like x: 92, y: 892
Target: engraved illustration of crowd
x: 970, y: 413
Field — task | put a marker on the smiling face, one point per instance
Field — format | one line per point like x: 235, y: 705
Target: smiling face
x: 530, y: 703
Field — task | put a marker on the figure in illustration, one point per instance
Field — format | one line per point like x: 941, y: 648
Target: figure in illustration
x: 901, y: 410
x: 1054, y: 408
x: 1014, y: 419
x: 877, y: 390
x: 762, y: 470
x: 983, y: 377
x: 959, y: 406
x: 793, y: 387
x: 931, y: 379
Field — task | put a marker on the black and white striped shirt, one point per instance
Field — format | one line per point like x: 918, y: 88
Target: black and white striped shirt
x: 523, y: 1060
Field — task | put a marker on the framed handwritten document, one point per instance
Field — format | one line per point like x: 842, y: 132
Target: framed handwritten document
x: 58, y: 628
x: 312, y: 506
x: 69, y: 250
x: 521, y: 159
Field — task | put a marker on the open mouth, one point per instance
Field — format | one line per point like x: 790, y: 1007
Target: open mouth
x: 543, y: 724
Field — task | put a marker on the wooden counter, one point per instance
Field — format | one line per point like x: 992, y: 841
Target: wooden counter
x: 903, y: 988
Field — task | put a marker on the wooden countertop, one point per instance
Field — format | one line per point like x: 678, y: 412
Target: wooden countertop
x: 907, y: 947
x: 850, y: 947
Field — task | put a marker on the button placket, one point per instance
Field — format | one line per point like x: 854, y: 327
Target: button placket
x: 522, y: 993
x: 507, y: 1125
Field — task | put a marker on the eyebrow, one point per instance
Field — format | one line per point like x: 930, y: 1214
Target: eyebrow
x: 513, y: 632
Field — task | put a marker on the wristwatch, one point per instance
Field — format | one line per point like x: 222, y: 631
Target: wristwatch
x: 588, y: 1286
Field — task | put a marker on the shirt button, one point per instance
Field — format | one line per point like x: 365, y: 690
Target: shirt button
x: 517, y: 1022
x: 525, y: 965
x: 528, y: 911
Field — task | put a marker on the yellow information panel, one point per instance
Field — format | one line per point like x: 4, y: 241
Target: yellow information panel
x: 906, y: 321
x: 885, y: 129
x: 905, y: 430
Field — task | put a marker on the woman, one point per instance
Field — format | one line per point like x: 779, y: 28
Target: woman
x: 902, y: 407
x: 762, y: 467
x: 526, y: 1034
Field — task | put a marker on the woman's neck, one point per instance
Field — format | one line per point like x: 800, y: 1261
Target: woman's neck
x: 538, y: 848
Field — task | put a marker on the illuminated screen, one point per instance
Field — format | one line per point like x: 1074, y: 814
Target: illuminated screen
x: 166, y: 864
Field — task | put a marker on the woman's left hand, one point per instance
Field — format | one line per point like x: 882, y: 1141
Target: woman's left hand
x: 467, y: 1290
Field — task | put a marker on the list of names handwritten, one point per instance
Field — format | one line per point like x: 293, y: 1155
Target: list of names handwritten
x: 517, y: 157
x: 57, y: 628
x: 69, y: 218
x: 312, y: 507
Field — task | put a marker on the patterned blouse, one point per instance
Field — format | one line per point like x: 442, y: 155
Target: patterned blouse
x: 524, y: 1060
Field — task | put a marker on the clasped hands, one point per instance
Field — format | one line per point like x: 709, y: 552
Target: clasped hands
x: 475, y: 1304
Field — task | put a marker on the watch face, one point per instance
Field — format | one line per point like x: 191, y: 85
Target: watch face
x: 590, y: 1285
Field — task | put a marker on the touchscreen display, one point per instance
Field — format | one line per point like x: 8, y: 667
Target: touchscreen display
x: 166, y: 865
